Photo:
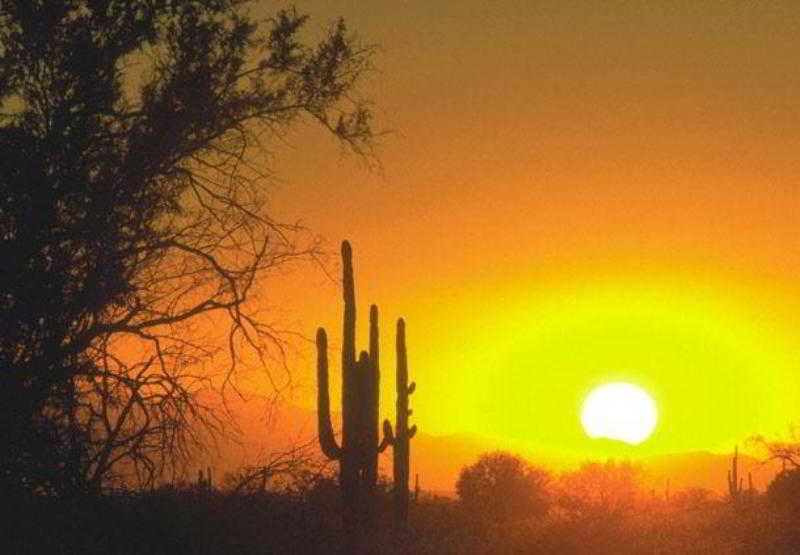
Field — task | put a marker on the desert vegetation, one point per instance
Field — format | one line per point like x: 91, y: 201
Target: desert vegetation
x: 358, y: 453
x: 504, y: 505
x: 138, y: 236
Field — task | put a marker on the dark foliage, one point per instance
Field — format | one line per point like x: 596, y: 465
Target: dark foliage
x: 183, y: 520
x: 784, y: 491
x: 129, y: 208
x: 501, y: 487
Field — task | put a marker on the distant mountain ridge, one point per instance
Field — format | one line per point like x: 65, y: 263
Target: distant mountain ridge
x: 265, y: 426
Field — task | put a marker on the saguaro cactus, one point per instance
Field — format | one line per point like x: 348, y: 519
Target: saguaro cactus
x: 358, y: 452
x: 204, y: 482
x: 400, y: 439
x: 734, y: 482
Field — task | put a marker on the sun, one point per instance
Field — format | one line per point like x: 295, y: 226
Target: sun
x: 620, y: 411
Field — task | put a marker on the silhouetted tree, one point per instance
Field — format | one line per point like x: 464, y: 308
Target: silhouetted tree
x: 130, y: 207
x: 784, y: 491
x: 295, y: 468
x: 597, y: 489
x: 501, y: 486
x: 786, y: 452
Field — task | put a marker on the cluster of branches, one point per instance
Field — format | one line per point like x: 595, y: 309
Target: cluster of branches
x: 130, y: 210
x: 297, y: 468
x: 787, y: 451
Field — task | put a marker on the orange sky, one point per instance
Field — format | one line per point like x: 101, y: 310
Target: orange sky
x: 549, y: 157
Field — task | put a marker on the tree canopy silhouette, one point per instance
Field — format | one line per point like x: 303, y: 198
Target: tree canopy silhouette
x: 784, y: 491
x: 602, y: 490
x: 501, y: 486
x: 130, y: 207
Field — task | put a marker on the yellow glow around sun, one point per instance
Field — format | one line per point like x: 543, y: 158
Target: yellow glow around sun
x: 620, y: 411
x: 516, y: 361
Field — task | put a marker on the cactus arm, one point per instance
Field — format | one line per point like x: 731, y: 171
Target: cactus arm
x: 372, y: 399
x: 388, y: 433
x: 388, y: 436
x: 327, y: 441
x: 363, y: 408
x: 374, y: 343
x: 402, y: 359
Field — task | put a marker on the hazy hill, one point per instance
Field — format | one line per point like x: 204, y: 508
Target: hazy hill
x: 265, y: 427
x: 706, y: 470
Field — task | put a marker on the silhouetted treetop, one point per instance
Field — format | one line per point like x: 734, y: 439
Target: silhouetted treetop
x: 501, y: 486
x: 131, y: 204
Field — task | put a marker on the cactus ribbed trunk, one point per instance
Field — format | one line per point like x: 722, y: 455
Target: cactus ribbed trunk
x: 348, y: 460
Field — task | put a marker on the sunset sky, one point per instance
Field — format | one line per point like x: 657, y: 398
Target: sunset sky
x: 571, y: 193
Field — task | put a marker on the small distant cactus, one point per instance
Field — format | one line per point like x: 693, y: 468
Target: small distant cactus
x: 735, y: 483
x: 204, y: 481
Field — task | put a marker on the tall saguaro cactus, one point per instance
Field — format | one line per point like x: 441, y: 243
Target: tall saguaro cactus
x: 400, y: 439
x: 358, y: 452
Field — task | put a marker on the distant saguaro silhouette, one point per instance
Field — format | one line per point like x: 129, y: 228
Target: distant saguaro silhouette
x: 734, y: 482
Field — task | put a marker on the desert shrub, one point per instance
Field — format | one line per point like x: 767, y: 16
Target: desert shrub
x: 501, y: 486
x: 601, y: 489
x: 693, y: 499
x: 783, y: 492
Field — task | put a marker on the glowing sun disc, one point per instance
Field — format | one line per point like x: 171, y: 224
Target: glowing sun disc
x: 620, y: 411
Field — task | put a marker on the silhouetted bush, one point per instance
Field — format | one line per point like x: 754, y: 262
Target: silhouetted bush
x: 784, y: 491
x: 601, y: 489
x: 693, y: 499
x: 577, y: 517
x: 501, y: 486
